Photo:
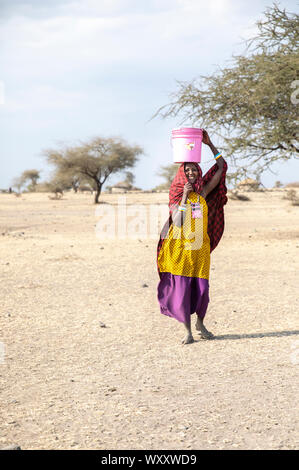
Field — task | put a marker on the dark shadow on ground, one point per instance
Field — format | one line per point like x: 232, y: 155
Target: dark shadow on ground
x: 258, y: 335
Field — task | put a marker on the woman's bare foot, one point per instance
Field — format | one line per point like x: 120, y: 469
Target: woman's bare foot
x: 188, y: 339
x: 205, y: 334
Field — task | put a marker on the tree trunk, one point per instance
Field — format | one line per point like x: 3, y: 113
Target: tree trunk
x: 98, y: 192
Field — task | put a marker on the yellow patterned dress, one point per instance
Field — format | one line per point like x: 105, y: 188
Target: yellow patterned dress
x: 186, y: 250
x: 184, y: 263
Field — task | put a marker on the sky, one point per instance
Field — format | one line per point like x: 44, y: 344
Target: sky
x: 71, y: 70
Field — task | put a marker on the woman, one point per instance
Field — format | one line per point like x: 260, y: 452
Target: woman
x: 194, y: 229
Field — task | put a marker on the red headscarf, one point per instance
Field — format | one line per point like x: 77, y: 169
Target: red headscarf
x: 177, y: 186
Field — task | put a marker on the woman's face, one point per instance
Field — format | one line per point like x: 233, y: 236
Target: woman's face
x: 191, y: 172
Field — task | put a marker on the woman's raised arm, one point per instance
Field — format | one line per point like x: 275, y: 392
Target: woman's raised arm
x: 220, y: 161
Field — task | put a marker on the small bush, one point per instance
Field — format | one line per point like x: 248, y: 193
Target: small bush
x: 236, y: 196
x: 292, y: 185
x: 290, y: 195
x: 57, y: 197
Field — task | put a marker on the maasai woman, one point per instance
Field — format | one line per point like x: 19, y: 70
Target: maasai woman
x: 193, y: 230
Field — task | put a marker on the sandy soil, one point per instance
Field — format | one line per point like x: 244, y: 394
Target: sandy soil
x: 69, y: 383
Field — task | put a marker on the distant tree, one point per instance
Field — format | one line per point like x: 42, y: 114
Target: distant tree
x: 95, y: 161
x: 129, y: 177
x: 250, y: 104
x: 32, y: 176
x: 29, y: 177
x: 167, y: 172
x: 18, y: 183
x: 277, y: 184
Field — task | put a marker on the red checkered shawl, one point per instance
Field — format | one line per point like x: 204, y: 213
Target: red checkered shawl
x: 215, y: 200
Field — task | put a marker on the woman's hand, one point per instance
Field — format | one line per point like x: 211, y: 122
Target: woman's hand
x: 187, y: 190
x: 205, y: 137
x: 178, y: 217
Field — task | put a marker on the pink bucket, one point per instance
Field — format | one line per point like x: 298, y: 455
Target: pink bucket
x: 186, y: 144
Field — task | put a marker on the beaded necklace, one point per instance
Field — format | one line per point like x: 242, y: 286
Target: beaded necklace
x: 196, y: 211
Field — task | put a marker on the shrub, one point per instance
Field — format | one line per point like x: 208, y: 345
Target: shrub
x: 292, y: 185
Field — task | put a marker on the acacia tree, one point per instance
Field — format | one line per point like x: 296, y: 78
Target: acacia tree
x: 18, y: 183
x: 249, y: 104
x: 28, y: 176
x: 94, y: 161
x: 66, y: 179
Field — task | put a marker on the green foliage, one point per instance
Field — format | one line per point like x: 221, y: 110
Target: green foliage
x: 249, y: 103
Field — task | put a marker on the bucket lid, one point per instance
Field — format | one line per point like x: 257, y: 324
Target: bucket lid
x: 186, y: 132
x: 184, y: 128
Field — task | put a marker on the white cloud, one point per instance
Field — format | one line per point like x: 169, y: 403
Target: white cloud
x: 41, y: 47
x: 85, y: 66
x: 103, y: 8
x: 89, y: 43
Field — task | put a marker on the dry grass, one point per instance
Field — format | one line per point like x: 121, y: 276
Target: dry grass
x: 291, y: 195
x: 69, y: 383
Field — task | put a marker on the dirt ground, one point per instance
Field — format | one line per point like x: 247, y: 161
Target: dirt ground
x: 68, y: 382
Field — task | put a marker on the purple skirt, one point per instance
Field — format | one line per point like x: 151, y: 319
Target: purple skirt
x: 181, y: 296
